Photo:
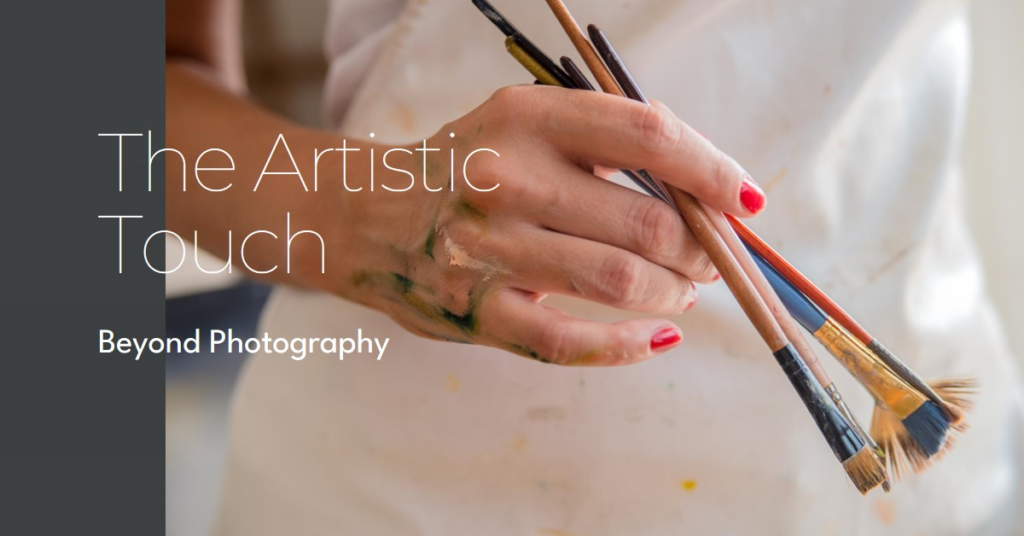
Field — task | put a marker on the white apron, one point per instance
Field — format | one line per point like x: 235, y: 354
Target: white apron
x: 848, y: 113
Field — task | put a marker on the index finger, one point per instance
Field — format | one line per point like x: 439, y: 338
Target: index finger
x: 597, y: 129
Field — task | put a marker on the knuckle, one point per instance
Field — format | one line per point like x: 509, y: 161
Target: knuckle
x: 718, y: 171
x: 661, y: 132
x: 505, y: 95
x: 517, y: 190
x: 651, y: 224
x: 622, y: 279
x: 509, y: 101
x: 480, y: 181
x: 554, y: 343
x: 685, y: 297
x: 701, y: 267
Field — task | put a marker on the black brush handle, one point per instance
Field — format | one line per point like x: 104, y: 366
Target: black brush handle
x: 841, y: 437
x: 576, y: 74
x: 510, y: 30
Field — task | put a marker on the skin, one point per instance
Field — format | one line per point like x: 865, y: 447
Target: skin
x: 400, y: 253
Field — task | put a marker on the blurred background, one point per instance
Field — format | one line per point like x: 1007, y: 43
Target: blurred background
x: 285, y: 67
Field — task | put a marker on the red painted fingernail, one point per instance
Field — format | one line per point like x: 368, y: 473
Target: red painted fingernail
x: 693, y: 298
x: 751, y: 196
x: 665, y: 338
x: 717, y: 277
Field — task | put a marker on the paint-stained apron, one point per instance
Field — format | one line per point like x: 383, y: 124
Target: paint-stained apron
x: 848, y: 114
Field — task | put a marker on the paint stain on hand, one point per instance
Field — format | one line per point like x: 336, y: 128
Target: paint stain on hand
x: 688, y: 485
x: 452, y: 384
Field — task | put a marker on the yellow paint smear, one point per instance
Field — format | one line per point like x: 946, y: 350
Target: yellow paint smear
x: 687, y: 485
x: 452, y: 384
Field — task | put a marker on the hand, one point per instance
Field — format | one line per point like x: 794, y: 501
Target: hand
x: 473, y: 267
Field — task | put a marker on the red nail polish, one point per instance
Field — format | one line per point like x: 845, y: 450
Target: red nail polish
x: 693, y: 297
x: 751, y: 196
x: 718, y: 277
x: 665, y: 338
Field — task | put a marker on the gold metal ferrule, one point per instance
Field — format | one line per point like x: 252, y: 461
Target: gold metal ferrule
x: 882, y: 382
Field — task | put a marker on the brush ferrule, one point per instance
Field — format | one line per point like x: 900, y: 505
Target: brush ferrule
x: 904, y: 371
x: 833, y: 393
x: 882, y: 382
x: 513, y: 46
x: 840, y: 435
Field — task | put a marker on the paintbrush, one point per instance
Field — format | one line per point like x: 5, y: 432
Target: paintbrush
x: 920, y: 429
x: 914, y: 427
x: 525, y: 44
x: 534, y: 63
x: 920, y: 419
x: 914, y: 432
x: 867, y: 467
x: 576, y: 74
x: 845, y: 441
x: 816, y: 295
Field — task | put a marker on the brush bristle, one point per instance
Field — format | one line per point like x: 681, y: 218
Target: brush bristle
x: 927, y: 426
x: 957, y: 396
x: 866, y: 470
x: 901, y: 449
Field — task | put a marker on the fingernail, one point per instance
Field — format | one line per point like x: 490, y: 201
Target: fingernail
x: 751, y: 196
x: 693, y: 298
x: 665, y: 338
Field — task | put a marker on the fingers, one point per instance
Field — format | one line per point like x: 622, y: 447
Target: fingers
x: 600, y: 273
x: 551, y: 336
x: 604, y: 212
x: 597, y: 129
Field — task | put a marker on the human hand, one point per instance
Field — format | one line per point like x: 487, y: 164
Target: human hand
x: 473, y: 266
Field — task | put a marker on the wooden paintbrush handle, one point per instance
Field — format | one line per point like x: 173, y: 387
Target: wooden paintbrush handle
x: 764, y: 288
x: 737, y: 281
x: 732, y: 273
x: 586, y: 50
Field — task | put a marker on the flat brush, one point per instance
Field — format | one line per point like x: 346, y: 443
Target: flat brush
x: 632, y: 90
x: 954, y: 412
x: 860, y: 462
x: 906, y: 422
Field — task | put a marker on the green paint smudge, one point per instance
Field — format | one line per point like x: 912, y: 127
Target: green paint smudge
x: 428, y: 248
x: 404, y: 284
x: 465, y: 209
x: 465, y: 322
x: 527, y: 352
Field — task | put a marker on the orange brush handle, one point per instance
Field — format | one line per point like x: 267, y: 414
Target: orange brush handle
x: 802, y: 283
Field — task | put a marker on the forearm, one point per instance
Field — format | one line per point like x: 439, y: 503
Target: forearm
x: 202, y: 113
